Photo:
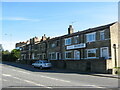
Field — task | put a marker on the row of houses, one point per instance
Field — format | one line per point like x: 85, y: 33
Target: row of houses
x: 91, y: 48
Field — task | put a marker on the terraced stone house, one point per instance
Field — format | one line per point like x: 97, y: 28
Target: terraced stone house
x: 95, y: 49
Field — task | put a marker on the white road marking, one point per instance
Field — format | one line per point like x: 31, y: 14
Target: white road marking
x: 36, y: 83
x: 7, y: 75
x: 55, y: 79
x: 96, y: 86
x: 25, y: 80
x: 17, y: 78
x: 21, y: 71
x: 17, y: 70
x: 4, y: 80
x: 70, y: 81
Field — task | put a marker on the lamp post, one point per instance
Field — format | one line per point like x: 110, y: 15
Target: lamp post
x: 114, y: 46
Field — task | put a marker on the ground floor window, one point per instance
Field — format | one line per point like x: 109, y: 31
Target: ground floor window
x: 29, y: 55
x: 23, y: 56
x: 52, y: 56
x: 91, y: 53
x: 68, y: 55
x: 44, y: 56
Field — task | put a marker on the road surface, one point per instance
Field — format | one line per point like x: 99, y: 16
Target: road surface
x: 16, y: 76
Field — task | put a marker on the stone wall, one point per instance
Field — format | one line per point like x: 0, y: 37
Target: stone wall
x: 99, y: 66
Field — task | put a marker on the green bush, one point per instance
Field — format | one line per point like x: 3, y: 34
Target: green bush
x: 11, y: 56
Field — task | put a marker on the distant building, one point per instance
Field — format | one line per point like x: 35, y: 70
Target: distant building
x: 95, y: 49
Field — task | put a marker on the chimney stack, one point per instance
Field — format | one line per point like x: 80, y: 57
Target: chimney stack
x: 70, y: 29
x: 44, y: 37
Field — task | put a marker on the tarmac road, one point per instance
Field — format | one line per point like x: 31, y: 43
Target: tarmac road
x: 17, y: 76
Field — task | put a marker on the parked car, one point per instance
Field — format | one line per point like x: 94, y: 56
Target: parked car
x: 42, y: 64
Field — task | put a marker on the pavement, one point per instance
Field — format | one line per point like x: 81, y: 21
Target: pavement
x: 90, y: 73
x: 24, y: 66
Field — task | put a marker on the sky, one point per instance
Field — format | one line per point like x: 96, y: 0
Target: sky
x: 24, y: 20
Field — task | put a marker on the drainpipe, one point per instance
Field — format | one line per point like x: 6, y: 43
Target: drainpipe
x: 114, y: 46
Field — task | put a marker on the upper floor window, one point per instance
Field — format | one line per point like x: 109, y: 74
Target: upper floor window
x: 36, y: 46
x: 53, y: 45
x: 91, y: 37
x: 102, y: 35
x: 57, y: 43
x: 68, y: 41
x: 40, y: 46
x: 43, y: 45
x: 29, y: 47
x: 76, y: 39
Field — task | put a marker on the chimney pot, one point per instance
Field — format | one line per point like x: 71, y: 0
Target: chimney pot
x: 70, y: 29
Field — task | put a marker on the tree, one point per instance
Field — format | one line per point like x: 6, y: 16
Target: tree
x: 11, y: 56
x: 5, y: 55
x: 15, y: 54
x: 5, y: 52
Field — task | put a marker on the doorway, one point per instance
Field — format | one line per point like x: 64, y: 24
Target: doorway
x: 76, y: 54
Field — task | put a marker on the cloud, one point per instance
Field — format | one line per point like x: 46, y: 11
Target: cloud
x: 19, y: 19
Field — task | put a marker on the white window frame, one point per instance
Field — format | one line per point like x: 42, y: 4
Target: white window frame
x: 91, y: 49
x: 33, y: 55
x: 68, y: 52
x: 102, y: 32
x: 29, y: 47
x: 57, y: 44
x: 43, y: 56
x: 53, y: 45
x: 57, y: 55
x: 76, y: 39
x: 93, y: 39
x: 107, y: 51
x: 29, y: 55
x: 75, y: 53
x: 51, y: 55
x: 66, y: 41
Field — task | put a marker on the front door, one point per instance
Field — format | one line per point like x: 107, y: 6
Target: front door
x: 33, y: 55
x: 77, y: 54
x: 104, y: 52
x: 58, y: 56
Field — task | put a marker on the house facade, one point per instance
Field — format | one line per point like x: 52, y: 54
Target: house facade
x: 88, y: 50
x: 93, y: 43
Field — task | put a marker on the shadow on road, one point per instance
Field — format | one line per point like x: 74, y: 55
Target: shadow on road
x: 52, y: 70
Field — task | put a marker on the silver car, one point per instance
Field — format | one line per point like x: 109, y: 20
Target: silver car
x: 42, y: 64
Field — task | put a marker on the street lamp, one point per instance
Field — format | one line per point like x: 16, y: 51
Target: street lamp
x: 114, y: 46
